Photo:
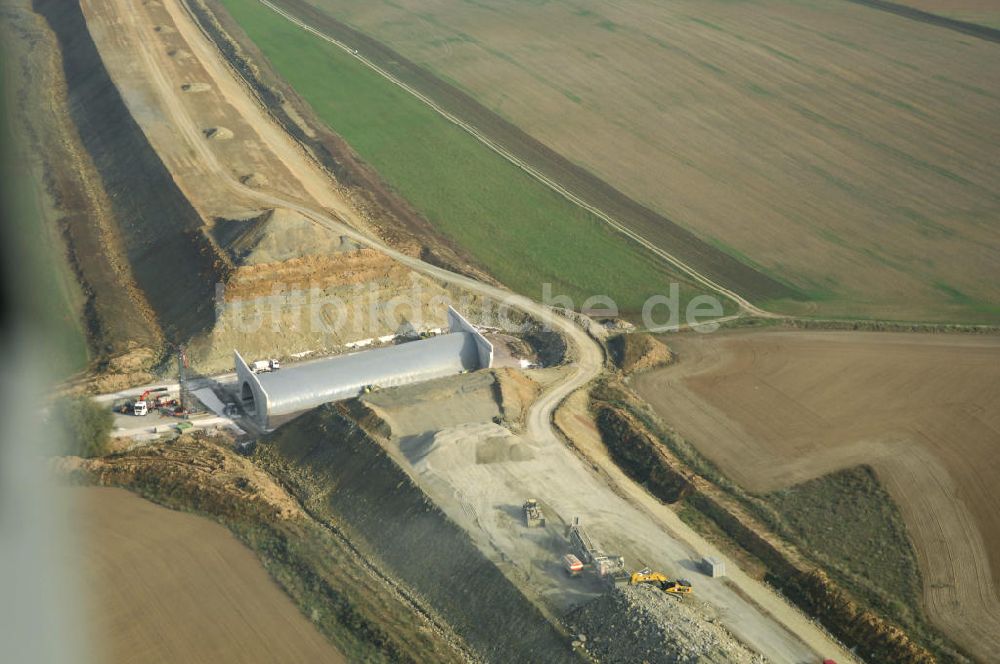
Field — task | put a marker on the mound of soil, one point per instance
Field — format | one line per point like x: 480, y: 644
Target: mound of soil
x: 274, y: 236
x: 637, y: 352
x: 644, y: 624
x: 218, y: 134
x: 254, y: 180
x: 516, y: 392
x: 196, y: 87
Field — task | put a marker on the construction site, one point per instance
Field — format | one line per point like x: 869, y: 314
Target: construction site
x: 421, y: 463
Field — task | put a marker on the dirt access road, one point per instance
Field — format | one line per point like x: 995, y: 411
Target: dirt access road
x: 164, y: 586
x: 777, y: 408
x: 130, y: 39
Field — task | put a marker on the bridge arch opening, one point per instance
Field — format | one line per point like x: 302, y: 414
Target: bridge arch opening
x: 249, y: 405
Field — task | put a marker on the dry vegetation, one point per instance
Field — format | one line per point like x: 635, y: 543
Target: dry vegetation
x: 774, y: 409
x: 847, y: 151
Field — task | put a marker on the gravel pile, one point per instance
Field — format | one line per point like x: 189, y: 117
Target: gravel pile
x: 644, y: 624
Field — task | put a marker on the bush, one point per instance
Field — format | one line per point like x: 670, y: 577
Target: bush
x: 86, y: 426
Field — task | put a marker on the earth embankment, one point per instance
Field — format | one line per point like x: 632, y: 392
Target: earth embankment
x: 173, y: 261
x: 343, y: 474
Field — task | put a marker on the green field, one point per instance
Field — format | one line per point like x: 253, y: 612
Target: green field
x: 519, y: 230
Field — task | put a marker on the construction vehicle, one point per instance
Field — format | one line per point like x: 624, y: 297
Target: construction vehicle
x: 142, y: 405
x: 610, y: 568
x: 572, y: 564
x: 533, y: 515
x: 264, y: 366
x: 661, y: 581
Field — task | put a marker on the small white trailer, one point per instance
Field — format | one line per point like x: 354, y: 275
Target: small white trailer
x: 263, y: 366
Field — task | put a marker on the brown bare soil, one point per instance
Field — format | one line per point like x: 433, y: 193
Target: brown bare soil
x: 845, y: 151
x: 165, y: 586
x: 515, y: 394
x: 773, y: 409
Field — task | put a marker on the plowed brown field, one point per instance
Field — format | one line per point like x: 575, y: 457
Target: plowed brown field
x: 164, y: 586
x: 848, y: 151
x: 773, y: 409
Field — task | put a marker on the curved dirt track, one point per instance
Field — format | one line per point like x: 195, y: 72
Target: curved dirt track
x: 128, y: 40
x: 774, y: 409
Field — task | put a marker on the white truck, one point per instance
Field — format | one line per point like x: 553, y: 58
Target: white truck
x: 263, y: 366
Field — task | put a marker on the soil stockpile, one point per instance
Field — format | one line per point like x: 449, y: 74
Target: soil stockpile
x: 644, y: 624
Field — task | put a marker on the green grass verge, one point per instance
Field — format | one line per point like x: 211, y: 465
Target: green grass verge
x: 518, y: 229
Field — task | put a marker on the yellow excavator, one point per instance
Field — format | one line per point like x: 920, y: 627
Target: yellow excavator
x: 660, y: 580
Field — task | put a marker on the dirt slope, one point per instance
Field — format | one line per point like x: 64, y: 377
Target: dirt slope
x: 776, y: 408
x: 344, y: 475
x: 234, y: 255
x: 172, y: 261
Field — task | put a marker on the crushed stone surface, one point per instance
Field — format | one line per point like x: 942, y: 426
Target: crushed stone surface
x: 644, y: 624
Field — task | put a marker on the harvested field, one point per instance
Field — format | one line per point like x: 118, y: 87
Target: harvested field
x: 776, y: 408
x: 846, y: 151
x: 519, y: 230
x: 366, y: 614
x: 166, y: 586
